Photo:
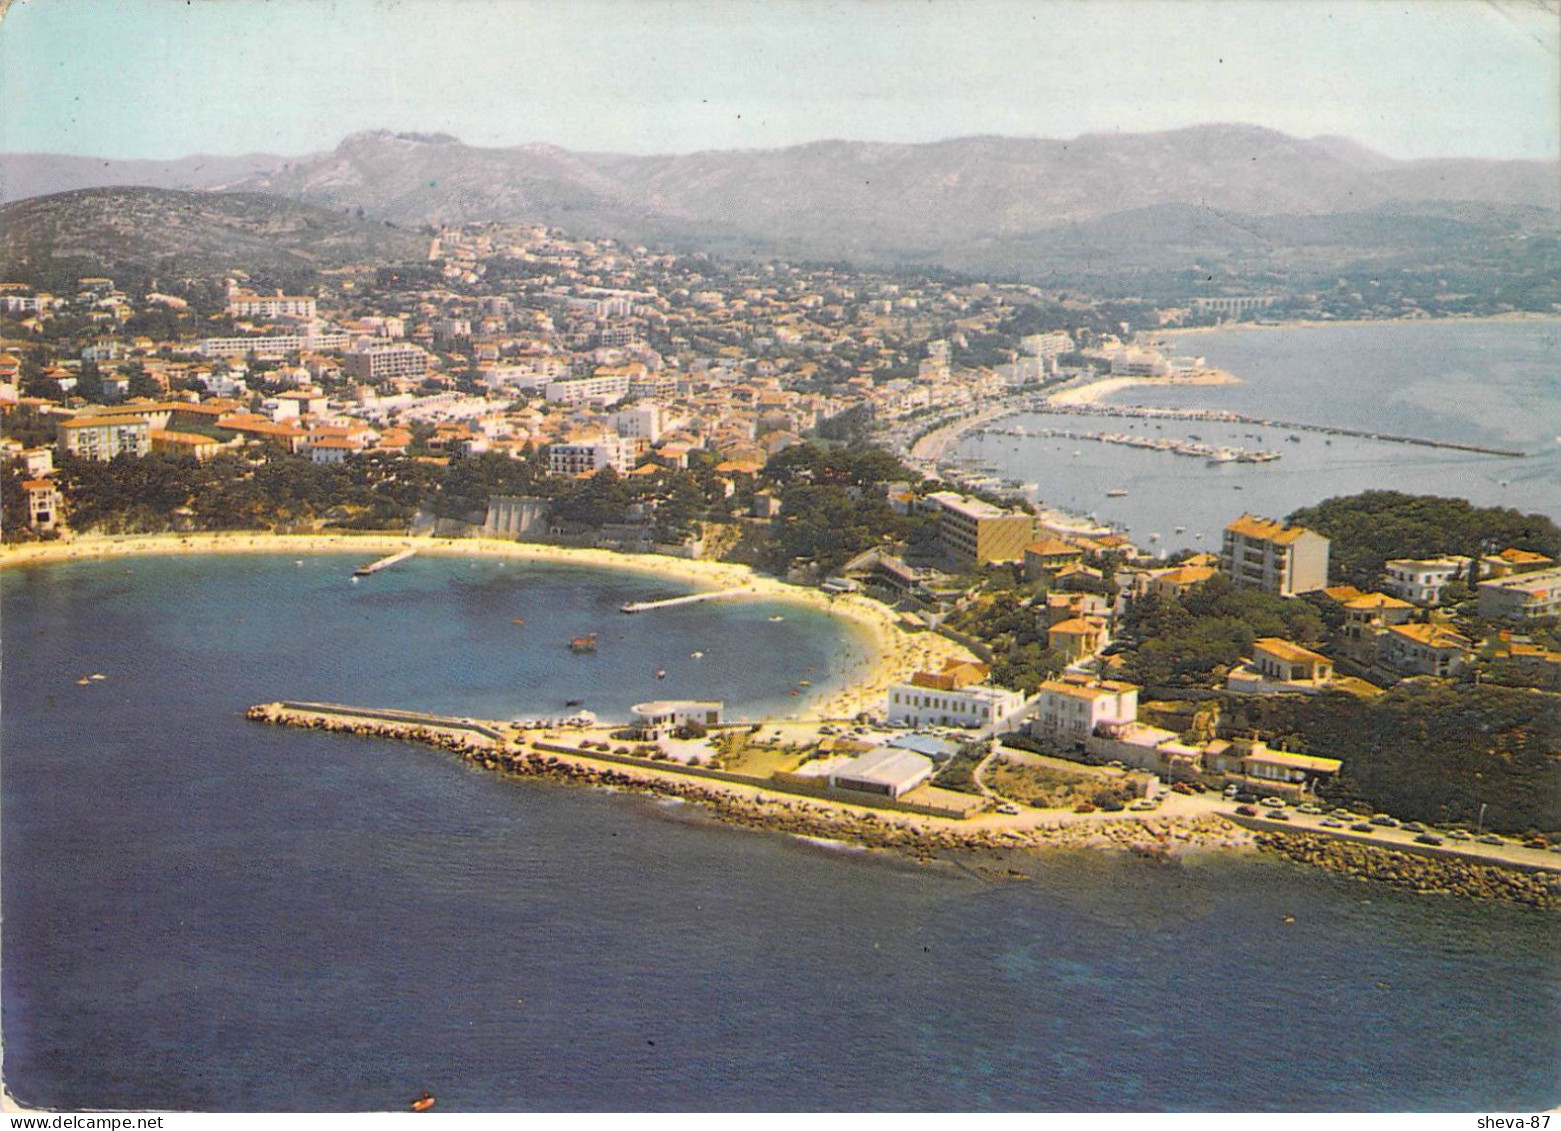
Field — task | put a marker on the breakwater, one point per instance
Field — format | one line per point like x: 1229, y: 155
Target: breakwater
x: 1435, y: 875
x: 1194, y: 448
x: 1222, y: 416
x: 751, y: 806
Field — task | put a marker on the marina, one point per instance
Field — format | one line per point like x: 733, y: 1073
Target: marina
x: 1194, y: 448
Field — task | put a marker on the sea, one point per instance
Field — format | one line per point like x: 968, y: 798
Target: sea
x: 200, y: 913
x: 1493, y: 384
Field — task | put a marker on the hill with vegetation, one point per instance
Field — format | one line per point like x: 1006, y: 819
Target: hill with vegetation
x: 1374, y: 527
x: 130, y: 233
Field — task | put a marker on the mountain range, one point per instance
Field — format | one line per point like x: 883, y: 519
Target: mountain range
x: 1231, y: 196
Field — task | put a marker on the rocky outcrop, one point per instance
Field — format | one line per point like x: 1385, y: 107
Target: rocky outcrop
x: 1412, y: 872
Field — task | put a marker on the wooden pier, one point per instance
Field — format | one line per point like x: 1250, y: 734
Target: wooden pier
x: 669, y: 602
x: 383, y: 563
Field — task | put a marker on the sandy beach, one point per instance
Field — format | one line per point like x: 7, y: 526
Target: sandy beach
x: 894, y: 654
x: 1096, y: 391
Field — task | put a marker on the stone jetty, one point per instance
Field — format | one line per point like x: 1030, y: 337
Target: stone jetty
x: 1412, y: 872
x: 920, y: 837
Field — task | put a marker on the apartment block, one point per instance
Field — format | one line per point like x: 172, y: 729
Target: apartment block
x: 1259, y: 553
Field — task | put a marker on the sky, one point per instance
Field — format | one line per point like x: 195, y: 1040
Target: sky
x: 170, y: 78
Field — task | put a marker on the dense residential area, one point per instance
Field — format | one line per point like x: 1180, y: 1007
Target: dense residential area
x: 1381, y: 651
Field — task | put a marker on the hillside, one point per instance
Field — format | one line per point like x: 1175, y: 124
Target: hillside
x: 24, y: 175
x: 123, y: 232
x: 1229, y: 205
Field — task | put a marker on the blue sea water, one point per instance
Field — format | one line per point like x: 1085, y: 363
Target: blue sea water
x: 203, y: 913
x: 1492, y: 384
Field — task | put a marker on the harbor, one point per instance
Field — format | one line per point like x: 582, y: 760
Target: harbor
x: 1197, y: 449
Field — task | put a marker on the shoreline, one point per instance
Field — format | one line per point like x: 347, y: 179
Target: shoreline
x: 892, y: 654
x: 1096, y: 391
x: 1160, y: 838
x: 1517, y: 316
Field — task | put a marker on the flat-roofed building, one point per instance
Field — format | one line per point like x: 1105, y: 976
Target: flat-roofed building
x: 383, y: 362
x: 974, y: 532
x: 604, y: 389
x: 662, y: 715
x: 884, y: 770
x: 1523, y: 596
x: 104, y: 437
x: 1259, y: 553
x: 1419, y: 580
x: 590, y: 456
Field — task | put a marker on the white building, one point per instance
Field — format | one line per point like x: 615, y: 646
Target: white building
x: 954, y: 697
x: 884, y: 771
x: 604, y: 389
x: 662, y: 715
x: 590, y: 456
x: 1419, y: 581
x: 642, y: 422
x: 381, y: 362
x: 242, y: 304
x: 1071, y: 710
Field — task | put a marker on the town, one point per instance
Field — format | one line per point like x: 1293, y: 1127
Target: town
x: 520, y: 384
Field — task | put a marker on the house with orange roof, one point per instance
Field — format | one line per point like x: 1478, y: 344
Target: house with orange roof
x: 1425, y: 649
x: 191, y: 444
x: 1278, y: 666
x: 1078, y: 638
x: 1047, y: 554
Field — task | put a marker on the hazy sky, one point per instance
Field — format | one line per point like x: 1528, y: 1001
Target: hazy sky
x: 166, y: 78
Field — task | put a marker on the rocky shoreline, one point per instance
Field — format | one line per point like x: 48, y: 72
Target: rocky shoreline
x: 923, y: 838
x: 1411, y: 872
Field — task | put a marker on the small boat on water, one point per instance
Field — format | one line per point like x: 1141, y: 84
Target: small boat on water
x: 84, y: 681
x: 696, y: 655
x: 423, y: 1102
x: 517, y: 622
x: 97, y: 676
x: 574, y: 702
x: 661, y: 673
x: 586, y: 643
x: 777, y: 618
x: 1116, y: 493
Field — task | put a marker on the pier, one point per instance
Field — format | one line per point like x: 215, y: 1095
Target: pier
x: 669, y: 602
x: 383, y: 563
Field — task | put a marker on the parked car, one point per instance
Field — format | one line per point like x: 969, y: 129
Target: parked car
x: 1363, y: 827
x: 1143, y: 804
x: 1083, y: 807
x: 1459, y: 834
x: 1277, y: 815
x: 1008, y: 809
x: 1330, y: 823
x: 1247, y: 798
x: 1342, y: 814
x: 1183, y: 788
x: 1382, y: 820
x: 1413, y: 827
x: 1273, y: 802
x: 1490, y: 838
x: 1246, y: 811
x: 1427, y: 838
x: 1311, y: 809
